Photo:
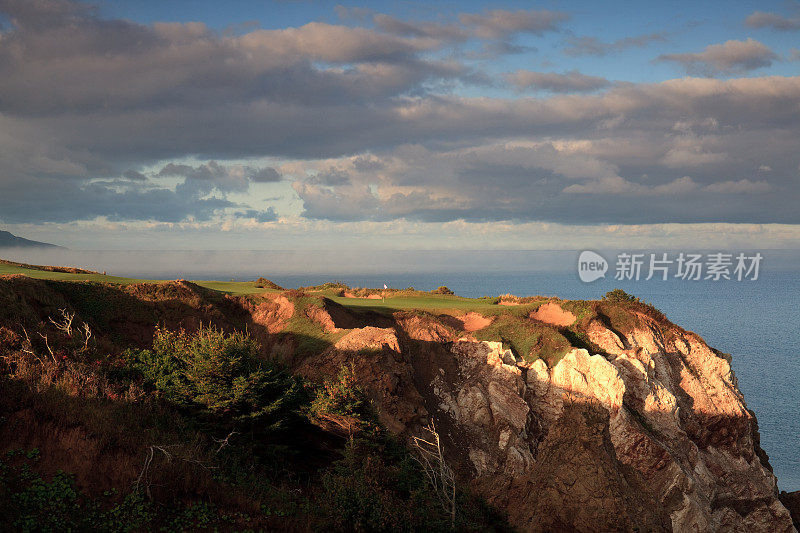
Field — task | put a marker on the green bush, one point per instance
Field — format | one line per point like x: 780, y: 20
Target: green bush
x: 29, y: 502
x: 264, y: 283
x: 442, y: 290
x: 342, y: 396
x: 219, y: 374
x: 618, y: 295
x: 377, y: 486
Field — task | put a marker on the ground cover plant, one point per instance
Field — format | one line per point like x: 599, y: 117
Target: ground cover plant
x: 203, y: 433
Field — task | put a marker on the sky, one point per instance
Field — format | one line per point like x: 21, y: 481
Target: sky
x: 304, y: 125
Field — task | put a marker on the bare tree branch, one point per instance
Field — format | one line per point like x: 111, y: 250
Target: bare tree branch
x: 430, y: 455
x: 65, y: 322
x: 87, y: 334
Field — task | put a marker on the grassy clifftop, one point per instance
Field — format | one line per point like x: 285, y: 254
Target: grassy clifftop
x: 137, y: 405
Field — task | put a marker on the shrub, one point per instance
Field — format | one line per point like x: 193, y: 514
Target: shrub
x: 618, y: 295
x: 442, y: 290
x: 264, y: 283
x: 29, y: 502
x: 342, y: 396
x: 377, y: 486
x: 218, y: 374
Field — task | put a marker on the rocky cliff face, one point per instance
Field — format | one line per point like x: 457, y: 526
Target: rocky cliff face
x: 651, y: 433
x: 639, y: 425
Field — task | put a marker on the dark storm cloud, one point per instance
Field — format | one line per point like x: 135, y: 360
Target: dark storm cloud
x: 332, y: 177
x: 265, y: 175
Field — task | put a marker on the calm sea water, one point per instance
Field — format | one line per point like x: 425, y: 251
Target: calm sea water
x: 755, y: 321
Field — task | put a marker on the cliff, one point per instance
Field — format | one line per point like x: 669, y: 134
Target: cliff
x: 602, y: 416
x: 651, y: 433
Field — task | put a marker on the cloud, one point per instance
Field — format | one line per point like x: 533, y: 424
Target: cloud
x: 395, y: 26
x: 619, y: 186
x: 592, y: 46
x: 82, y: 63
x: 268, y: 215
x: 500, y: 23
x: 339, y: 204
x: 224, y: 177
x: 134, y: 175
x: 210, y: 176
x: 686, y: 157
x: 264, y: 175
x: 66, y: 201
x: 738, y: 187
x: 331, y: 178
x: 572, y: 81
x: 726, y: 58
x: 760, y: 19
x: 371, y: 125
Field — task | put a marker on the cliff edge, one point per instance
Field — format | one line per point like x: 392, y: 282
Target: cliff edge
x: 645, y: 431
x: 568, y: 416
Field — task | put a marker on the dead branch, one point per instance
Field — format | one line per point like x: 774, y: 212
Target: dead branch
x: 65, y: 322
x: 224, y: 442
x: 27, y: 347
x: 144, y: 475
x: 430, y: 455
x: 87, y: 334
x: 49, y: 349
x: 144, y: 479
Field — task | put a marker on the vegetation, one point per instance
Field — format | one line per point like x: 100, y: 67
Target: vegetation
x: 442, y: 290
x: 527, y: 339
x: 203, y: 417
x: 618, y: 295
x: 220, y: 375
x: 620, y: 316
x: 216, y: 434
x: 264, y: 283
x: 30, y: 503
x: 342, y: 396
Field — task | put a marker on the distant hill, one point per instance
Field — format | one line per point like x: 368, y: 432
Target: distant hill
x: 8, y: 240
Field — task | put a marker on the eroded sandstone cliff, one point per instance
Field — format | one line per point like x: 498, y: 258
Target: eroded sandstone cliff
x: 651, y: 433
x: 611, y: 418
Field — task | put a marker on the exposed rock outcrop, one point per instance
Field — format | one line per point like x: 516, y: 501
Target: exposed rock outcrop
x: 651, y: 435
x: 640, y: 426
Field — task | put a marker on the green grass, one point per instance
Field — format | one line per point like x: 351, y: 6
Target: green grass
x: 230, y: 287
x: 441, y: 303
x: 528, y: 340
x: 238, y: 288
x: 63, y: 276
x: 308, y: 334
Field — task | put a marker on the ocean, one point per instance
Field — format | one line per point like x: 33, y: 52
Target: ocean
x: 756, y: 321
